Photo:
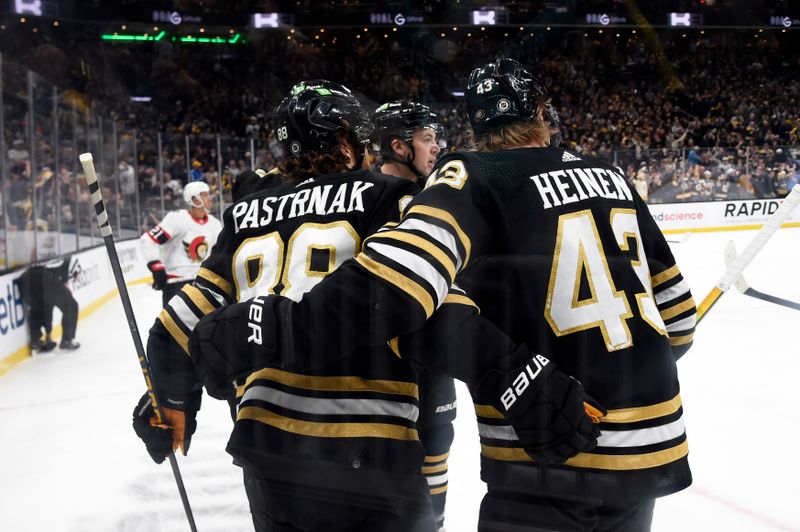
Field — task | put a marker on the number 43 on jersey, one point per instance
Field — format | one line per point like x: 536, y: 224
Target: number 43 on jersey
x: 606, y: 307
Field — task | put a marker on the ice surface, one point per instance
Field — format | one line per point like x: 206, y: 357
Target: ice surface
x: 70, y: 462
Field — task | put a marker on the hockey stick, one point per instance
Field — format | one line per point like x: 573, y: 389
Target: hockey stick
x: 743, y: 287
x: 87, y: 162
x: 684, y: 237
x: 764, y: 234
x: 174, y: 280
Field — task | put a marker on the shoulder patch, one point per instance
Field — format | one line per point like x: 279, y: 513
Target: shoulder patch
x: 452, y: 173
x: 403, y: 202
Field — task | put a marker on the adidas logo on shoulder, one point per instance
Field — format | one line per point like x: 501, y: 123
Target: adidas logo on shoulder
x: 567, y: 157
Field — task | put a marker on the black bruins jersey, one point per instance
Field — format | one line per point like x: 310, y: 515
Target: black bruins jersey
x: 561, y: 253
x: 357, y: 413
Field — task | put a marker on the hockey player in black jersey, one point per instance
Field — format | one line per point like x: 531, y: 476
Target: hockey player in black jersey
x: 333, y: 449
x: 407, y: 135
x: 329, y: 443
x: 560, y: 252
x: 587, y: 277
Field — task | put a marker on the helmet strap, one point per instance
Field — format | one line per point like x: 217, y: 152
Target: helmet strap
x: 409, y: 161
x: 202, y: 204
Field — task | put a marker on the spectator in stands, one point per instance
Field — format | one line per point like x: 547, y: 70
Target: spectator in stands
x: 780, y: 183
x: 641, y: 184
x: 197, y: 172
x: 253, y: 128
x: 127, y: 179
x: 173, y: 189
x: 762, y: 182
x: 17, y: 152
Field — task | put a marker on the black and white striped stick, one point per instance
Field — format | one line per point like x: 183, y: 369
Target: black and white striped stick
x: 105, y: 230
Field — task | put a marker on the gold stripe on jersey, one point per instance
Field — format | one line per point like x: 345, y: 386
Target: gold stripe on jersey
x: 424, y: 245
x: 327, y: 430
x: 177, y: 334
x: 334, y: 384
x: 630, y: 461
x: 643, y: 413
x: 621, y: 462
x: 675, y: 310
x: 447, y: 218
x: 199, y: 300
x: 400, y: 281
x: 437, y: 458
x: 437, y: 491
x: 488, y: 411
x: 216, y: 280
x: 506, y: 454
x: 394, y: 345
x: 681, y: 340
x: 461, y: 300
x: 427, y: 470
x: 620, y: 415
x: 666, y: 275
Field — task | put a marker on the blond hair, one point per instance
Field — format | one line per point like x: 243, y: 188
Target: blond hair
x: 517, y: 134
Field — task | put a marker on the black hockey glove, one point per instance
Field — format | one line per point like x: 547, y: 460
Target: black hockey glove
x: 176, y: 430
x: 234, y: 341
x: 552, y: 416
x: 159, y: 272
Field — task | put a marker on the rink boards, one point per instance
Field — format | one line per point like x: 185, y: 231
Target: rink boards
x: 91, y: 282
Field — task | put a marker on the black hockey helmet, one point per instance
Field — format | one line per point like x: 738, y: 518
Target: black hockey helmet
x: 504, y: 92
x: 311, y: 116
x: 399, y: 120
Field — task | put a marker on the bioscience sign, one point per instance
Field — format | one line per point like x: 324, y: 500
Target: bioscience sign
x: 718, y: 215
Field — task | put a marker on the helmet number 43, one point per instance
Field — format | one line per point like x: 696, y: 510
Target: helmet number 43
x: 485, y: 86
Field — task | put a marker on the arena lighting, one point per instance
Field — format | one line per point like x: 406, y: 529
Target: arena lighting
x: 189, y: 39
x: 30, y: 7
x: 685, y: 19
x: 266, y: 20
x: 143, y: 37
x: 484, y: 17
x: 605, y: 19
x: 209, y: 40
x: 786, y: 22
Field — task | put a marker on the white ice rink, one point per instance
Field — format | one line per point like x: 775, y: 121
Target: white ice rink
x: 69, y: 460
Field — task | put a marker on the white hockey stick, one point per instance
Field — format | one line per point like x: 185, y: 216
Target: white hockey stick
x: 735, y: 270
x: 174, y: 280
x: 683, y: 238
x: 743, y: 287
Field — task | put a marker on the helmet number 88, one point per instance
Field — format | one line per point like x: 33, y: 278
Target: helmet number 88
x: 282, y: 133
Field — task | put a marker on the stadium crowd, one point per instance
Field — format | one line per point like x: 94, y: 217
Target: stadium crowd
x: 670, y: 109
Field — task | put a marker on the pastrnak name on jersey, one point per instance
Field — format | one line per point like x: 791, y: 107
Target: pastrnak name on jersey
x: 571, y: 185
x: 319, y: 199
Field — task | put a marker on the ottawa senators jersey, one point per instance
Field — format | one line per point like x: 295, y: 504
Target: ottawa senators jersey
x: 181, y: 242
x: 355, y: 413
x: 560, y: 252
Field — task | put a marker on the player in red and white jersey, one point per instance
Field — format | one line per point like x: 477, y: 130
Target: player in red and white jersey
x: 175, y: 248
